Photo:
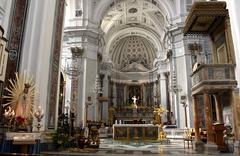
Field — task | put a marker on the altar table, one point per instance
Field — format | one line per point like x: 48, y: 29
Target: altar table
x: 135, y: 131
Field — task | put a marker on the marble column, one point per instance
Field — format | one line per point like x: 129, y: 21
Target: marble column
x: 17, y: 32
x: 74, y: 95
x: 175, y: 109
x: 141, y: 104
x: 218, y: 105
x: 125, y: 94
x: 144, y: 94
x: 155, y: 92
x: 208, y: 118
x: 163, y: 91
x: 3, y: 59
x: 229, y: 41
x: 236, y: 114
x: 104, y: 107
x: 31, y: 48
x: 114, y: 95
x: 81, y: 106
x: 195, y: 118
x: 63, y: 96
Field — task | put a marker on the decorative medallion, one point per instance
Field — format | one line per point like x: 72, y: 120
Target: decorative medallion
x: 132, y: 10
x: 13, y: 54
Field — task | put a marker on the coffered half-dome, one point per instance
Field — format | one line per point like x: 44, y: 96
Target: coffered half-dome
x: 133, y: 54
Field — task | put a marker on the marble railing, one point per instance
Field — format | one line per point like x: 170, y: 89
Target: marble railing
x: 174, y: 133
x: 213, y: 74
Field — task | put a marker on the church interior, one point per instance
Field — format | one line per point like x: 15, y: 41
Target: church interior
x: 119, y: 77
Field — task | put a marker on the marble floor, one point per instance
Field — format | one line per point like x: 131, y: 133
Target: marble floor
x: 110, y: 147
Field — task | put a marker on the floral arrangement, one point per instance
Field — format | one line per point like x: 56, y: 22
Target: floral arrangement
x: 21, y: 121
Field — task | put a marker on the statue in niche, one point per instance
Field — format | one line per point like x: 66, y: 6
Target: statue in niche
x: 134, y: 91
x: 134, y: 98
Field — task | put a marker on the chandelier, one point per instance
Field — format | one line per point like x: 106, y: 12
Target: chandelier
x: 98, y: 86
x: 175, y: 87
x: 73, y: 64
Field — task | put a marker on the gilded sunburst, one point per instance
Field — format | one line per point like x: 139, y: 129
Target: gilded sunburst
x: 17, y: 88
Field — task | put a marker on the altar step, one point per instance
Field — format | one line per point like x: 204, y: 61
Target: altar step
x: 105, y: 132
x: 18, y: 154
x: 172, y: 133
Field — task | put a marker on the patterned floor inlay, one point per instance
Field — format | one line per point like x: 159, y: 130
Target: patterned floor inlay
x: 116, y: 148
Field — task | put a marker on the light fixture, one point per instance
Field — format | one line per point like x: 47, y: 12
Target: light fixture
x: 39, y: 113
x: 9, y: 114
x: 98, y: 87
x: 175, y: 87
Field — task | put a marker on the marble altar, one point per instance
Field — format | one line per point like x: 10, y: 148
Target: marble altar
x: 135, y: 131
x: 21, y: 142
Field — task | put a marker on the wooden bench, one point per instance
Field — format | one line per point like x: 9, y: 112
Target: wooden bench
x: 189, y: 141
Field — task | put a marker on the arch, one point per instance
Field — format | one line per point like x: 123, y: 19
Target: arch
x: 100, y: 10
x: 167, y: 7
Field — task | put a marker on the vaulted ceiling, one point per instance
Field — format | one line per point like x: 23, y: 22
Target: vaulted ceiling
x: 133, y: 30
x: 133, y: 13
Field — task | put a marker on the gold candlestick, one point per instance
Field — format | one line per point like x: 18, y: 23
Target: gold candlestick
x: 9, y: 114
x: 158, y: 120
x: 39, y: 115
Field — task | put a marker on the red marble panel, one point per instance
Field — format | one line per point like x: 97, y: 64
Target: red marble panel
x: 54, y: 69
x: 15, y: 38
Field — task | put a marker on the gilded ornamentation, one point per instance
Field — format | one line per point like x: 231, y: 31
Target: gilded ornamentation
x: 20, y: 100
x: 158, y: 120
x: 21, y: 95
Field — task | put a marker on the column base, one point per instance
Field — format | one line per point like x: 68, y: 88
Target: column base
x: 237, y: 147
x: 211, y: 147
x: 199, y: 146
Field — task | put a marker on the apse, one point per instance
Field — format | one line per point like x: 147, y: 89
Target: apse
x: 133, y: 54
